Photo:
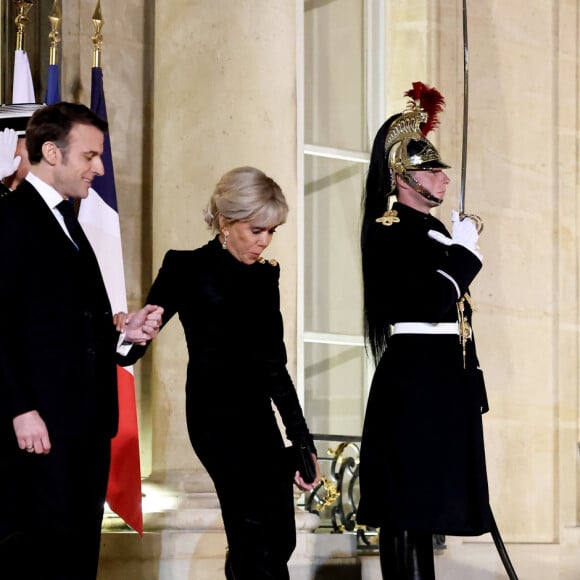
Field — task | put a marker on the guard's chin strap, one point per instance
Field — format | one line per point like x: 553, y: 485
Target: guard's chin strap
x: 420, y: 189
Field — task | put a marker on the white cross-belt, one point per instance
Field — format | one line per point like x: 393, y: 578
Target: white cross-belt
x: 424, y: 328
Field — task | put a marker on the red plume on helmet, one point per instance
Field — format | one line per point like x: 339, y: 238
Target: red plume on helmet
x: 430, y: 100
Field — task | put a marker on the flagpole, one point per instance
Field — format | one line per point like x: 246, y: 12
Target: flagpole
x: 22, y: 85
x: 99, y: 214
x: 97, y: 37
x: 3, y: 61
x: 52, y: 95
x: 54, y: 36
x: 21, y: 21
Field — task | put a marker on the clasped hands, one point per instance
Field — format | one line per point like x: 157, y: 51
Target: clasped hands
x: 140, y: 327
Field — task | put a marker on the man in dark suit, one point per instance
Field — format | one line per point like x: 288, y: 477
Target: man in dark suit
x: 58, y: 355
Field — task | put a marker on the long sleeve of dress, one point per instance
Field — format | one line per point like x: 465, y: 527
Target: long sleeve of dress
x: 284, y: 396
x: 281, y: 388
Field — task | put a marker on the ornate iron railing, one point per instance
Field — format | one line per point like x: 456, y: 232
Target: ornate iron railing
x: 335, y: 499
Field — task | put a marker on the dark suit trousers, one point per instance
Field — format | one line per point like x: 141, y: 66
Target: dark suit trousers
x: 52, y: 523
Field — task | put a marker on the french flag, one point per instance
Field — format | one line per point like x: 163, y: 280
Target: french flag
x: 99, y: 217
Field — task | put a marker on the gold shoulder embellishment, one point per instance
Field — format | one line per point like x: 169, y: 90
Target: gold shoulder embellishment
x: 272, y: 262
x: 389, y: 218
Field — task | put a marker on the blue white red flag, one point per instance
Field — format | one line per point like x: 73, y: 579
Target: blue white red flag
x: 99, y: 217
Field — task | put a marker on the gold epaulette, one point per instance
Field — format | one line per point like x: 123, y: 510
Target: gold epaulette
x: 389, y: 218
x: 272, y: 262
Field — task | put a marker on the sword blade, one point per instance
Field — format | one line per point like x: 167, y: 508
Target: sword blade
x: 465, y: 111
x: 501, y: 549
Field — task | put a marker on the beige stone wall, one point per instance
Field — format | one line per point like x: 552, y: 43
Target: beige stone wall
x: 224, y: 96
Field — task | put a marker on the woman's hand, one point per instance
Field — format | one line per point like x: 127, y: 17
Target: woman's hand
x: 301, y: 484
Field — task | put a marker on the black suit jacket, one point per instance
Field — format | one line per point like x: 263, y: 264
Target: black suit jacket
x: 58, y: 342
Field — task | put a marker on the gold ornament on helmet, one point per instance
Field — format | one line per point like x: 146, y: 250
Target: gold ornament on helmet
x: 406, y: 146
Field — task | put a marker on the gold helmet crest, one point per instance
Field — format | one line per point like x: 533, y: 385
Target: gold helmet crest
x: 406, y: 145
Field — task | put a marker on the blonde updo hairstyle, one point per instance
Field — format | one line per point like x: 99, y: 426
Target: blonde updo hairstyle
x: 246, y: 194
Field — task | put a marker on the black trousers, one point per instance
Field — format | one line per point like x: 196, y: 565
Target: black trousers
x: 406, y: 555
x: 254, y: 485
x: 261, y: 537
x: 51, y: 527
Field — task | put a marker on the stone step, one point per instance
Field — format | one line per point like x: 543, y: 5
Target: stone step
x: 179, y: 554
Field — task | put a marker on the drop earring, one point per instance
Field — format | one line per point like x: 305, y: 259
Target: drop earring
x: 225, y: 242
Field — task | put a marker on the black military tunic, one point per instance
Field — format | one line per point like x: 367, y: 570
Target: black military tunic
x: 422, y: 454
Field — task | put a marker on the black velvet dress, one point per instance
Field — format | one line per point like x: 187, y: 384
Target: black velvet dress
x: 231, y: 317
x: 422, y: 462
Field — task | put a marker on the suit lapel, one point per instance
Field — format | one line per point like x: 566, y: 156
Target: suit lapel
x: 45, y: 229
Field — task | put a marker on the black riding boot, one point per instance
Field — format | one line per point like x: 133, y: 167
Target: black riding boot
x: 406, y: 556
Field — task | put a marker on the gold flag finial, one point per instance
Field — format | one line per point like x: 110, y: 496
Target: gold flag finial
x: 97, y: 37
x: 54, y: 37
x: 21, y: 21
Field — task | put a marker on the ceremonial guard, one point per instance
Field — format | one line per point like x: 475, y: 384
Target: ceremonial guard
x: 422, y: 469
x: 14, y: 163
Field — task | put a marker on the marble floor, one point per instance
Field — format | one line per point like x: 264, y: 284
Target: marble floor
x: 463, y: 560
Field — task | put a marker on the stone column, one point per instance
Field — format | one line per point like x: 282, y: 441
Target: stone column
x: 224, y: 96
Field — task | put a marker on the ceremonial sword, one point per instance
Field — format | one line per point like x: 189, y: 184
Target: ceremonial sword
x: 475, y: 218
x: 497, y: 540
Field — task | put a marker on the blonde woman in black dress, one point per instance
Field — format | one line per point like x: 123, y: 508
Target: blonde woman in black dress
x: 227, y: 298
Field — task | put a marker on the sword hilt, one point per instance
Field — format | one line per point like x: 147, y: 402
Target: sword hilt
x: 474, y: 218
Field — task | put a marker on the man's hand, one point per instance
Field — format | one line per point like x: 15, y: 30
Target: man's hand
x: 31, y: 433
x: 140, y: 327
x: 8, y: 163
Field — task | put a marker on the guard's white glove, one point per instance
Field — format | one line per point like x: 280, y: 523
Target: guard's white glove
x: 8, y: 163
x: 463, y: 233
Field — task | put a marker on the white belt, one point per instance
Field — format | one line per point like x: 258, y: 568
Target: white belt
x: 424, y: 328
